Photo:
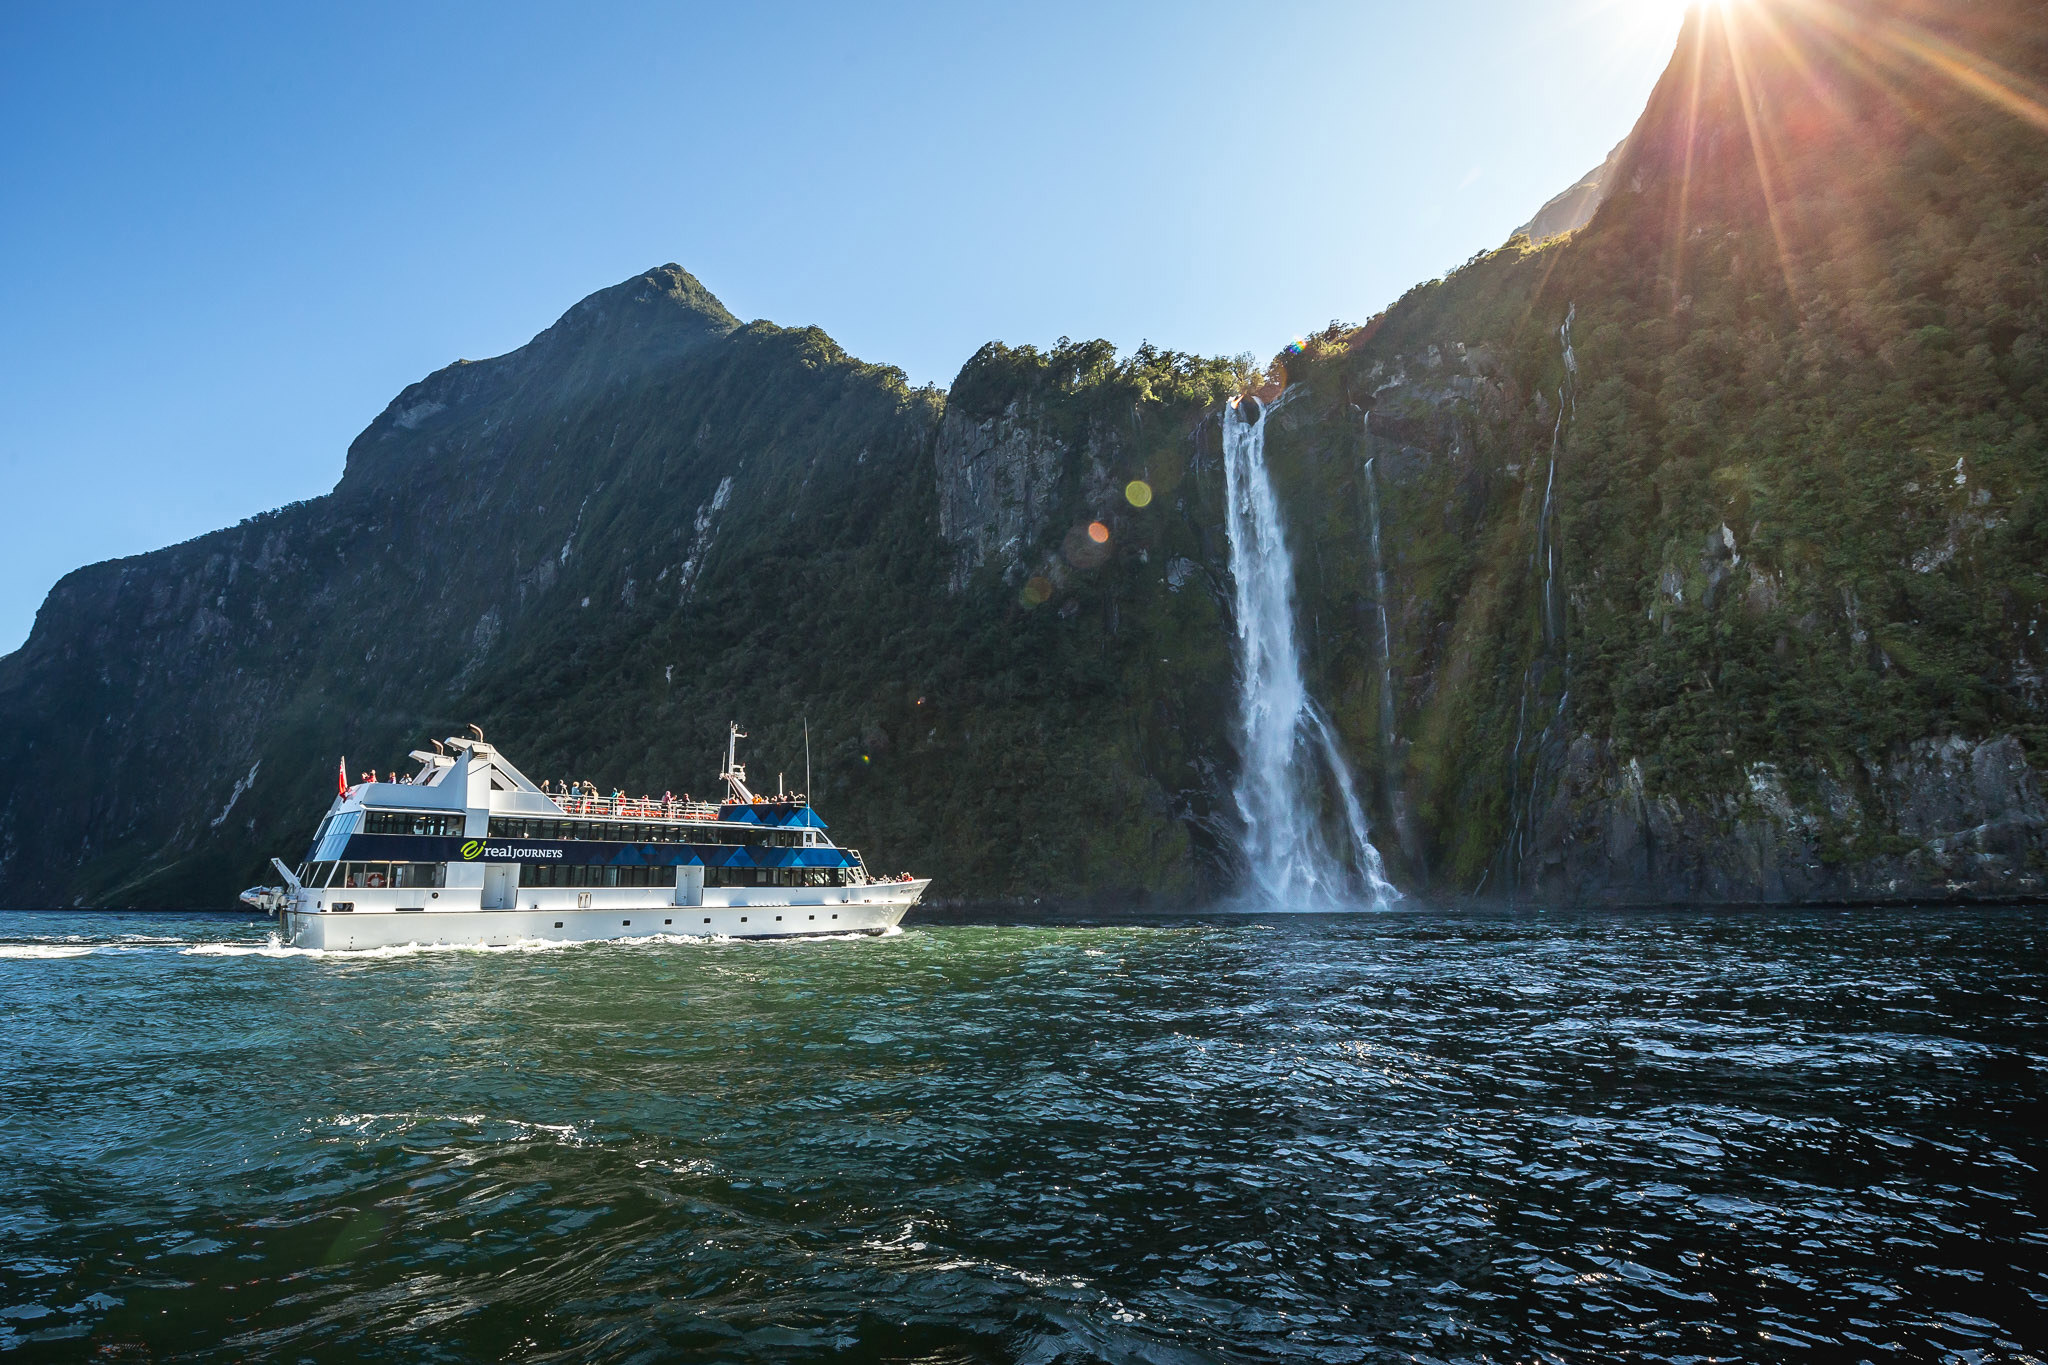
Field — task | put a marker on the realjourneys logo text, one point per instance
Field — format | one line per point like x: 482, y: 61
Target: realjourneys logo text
x: 472, y: 849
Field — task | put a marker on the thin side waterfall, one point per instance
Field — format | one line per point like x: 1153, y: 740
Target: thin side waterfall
x: 1379, y: 597
x: 1289, y: 751
x: 1546, y: 525
x: 1548, y: 663
x: 1391, y: 761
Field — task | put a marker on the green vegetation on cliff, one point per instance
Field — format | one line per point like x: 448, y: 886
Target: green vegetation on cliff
x: 1800, y: 467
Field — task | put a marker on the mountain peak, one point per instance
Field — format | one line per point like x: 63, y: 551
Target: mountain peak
x: 630, y: 328
x: 664, y: 284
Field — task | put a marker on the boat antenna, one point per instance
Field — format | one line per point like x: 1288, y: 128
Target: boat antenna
x: 807, y: 760
x: 734, y: 775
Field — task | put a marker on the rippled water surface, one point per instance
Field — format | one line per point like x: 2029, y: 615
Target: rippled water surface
x: 1757, y: 1136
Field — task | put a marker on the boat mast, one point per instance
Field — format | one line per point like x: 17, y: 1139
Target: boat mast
x: 734, y: 775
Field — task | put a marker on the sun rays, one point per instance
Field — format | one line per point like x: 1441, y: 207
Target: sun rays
x: 1790, y: 68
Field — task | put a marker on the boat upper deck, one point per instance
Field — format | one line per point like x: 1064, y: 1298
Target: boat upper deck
x: 462, y: 776
x: 651, y: 808
x: 762, y: 810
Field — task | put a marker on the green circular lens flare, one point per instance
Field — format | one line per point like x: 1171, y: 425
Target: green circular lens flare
x: 1139, y: 493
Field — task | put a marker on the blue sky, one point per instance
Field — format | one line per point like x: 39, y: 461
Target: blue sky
x: 233, y: 234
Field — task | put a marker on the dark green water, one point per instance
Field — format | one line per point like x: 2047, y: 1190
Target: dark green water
x: 1752, y: 1136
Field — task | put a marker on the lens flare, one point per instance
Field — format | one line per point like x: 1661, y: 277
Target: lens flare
x: 1098, y: 533
x: 1138, y: 493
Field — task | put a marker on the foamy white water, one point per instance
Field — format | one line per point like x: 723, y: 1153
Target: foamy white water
x: 276, y: 949
x: 1288, y: 749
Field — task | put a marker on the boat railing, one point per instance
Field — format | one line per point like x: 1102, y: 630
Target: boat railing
x: 634, y: 808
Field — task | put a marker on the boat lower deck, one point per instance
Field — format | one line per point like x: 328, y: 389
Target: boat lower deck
x: 361, y: 929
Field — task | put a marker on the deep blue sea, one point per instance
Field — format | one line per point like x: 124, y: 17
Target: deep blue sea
x: 1419, y: 1135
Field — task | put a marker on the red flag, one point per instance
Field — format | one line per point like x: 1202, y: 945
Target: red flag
x: 342, y: 776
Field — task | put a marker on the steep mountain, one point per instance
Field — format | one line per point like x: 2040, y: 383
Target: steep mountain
x: 1573, y: 207
x: 1716, y: 526
x: 601, y: 547
x: 1710, y: 536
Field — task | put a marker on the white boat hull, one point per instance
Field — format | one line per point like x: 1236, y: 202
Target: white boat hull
x: 377, y: 920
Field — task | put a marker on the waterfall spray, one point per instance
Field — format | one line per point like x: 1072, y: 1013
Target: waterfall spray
x: 1286, y: 742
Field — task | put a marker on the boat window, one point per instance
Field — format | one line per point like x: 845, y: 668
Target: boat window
x: 772, y: 876
x: 576, y: 874
x: 438, y: 824
x: 373, y: 876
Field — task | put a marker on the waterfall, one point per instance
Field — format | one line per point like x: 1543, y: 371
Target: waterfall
x: 1391, y: 763
x: 1288, y: 748
x: 1546, y: 541
x: 1379, y: 597
x: 1521, y: 804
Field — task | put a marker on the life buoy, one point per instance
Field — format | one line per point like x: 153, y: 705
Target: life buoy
x: 374, y: 879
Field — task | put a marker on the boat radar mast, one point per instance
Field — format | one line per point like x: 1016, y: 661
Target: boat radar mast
x: 734, y: 774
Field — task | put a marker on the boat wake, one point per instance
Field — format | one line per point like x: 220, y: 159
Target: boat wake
x: 276, y: 949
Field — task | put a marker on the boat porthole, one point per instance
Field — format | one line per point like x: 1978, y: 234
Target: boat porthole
x: 668, y: 921
x: 558, y: 924
x: 625, y: 924
x: 743, y: 919
x: 707, y: 919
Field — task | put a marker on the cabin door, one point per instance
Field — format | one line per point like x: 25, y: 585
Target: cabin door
x: 501, y: 887
x: 690, y: 884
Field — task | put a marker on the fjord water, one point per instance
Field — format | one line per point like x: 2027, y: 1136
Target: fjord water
x: 1750, y: 1136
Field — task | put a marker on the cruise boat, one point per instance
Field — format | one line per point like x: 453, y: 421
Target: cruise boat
x: 469, y: 851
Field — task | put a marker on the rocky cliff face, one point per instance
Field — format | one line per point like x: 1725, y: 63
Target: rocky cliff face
x: 1710, y: 553
x: 999, y: 483
x: 1955, y: 818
